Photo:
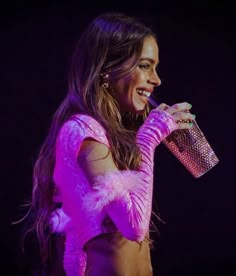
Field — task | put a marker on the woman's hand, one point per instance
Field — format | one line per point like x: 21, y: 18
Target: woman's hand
x: 180, y: 112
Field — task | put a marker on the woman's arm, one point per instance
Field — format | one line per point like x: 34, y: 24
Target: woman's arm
x: 126, y: 196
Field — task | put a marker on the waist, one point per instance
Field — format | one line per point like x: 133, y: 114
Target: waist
x: 112, y: 254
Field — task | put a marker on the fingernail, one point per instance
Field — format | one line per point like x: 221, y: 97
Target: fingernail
x: 194, y: 116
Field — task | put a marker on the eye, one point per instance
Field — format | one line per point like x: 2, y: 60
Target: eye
x: 145, y: 66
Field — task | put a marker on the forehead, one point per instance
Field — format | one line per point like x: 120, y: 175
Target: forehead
x: 150, y: 49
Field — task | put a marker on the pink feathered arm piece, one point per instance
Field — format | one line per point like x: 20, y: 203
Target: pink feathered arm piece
x: 127, y: 195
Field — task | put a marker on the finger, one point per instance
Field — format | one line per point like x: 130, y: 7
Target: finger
x: 179, y: 107
x: 185, y: 125
x: 162, y: 107
x: 183, y: 117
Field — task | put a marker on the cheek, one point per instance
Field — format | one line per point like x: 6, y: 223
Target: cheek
x: 126, y: 86
x: 128, y: 82
x: 138, y: 78
x: 133, y: 82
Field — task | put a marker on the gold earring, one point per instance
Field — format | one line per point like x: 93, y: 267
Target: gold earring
x: 105, y: 85
x: 105, y: 78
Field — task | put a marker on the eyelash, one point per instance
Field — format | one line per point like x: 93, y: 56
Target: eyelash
x: 145, y: 66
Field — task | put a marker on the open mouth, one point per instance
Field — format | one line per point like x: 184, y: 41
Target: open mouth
x: 143, y: 93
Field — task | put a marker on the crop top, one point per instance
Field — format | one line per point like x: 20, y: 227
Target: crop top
x: 116, y: 201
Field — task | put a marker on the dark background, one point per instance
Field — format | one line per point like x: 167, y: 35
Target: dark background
x: 197, y: 54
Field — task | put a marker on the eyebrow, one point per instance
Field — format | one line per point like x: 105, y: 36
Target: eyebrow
x: 150, y: 60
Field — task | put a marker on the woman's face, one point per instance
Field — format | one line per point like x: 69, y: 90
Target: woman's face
x: 131, y: 91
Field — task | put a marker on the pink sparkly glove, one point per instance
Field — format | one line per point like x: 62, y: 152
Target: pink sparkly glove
x: 127, y: 195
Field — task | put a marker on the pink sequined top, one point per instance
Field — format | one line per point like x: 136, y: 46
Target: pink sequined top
x: 121, y: 197
x: 71, y: 182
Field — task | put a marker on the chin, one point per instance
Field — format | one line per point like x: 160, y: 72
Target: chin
x: 139, y: 109
x: 135, y: 108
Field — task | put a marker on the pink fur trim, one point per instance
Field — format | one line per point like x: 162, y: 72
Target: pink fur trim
x: 110, y: 186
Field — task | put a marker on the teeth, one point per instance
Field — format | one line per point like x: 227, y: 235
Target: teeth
x: 143, y: 92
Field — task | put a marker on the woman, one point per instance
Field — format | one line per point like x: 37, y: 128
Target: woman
x: 93, y: 179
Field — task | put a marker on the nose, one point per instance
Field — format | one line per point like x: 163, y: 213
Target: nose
x: 155, y: 79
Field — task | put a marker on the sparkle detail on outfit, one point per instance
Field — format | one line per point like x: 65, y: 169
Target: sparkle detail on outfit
x: 125, y: 197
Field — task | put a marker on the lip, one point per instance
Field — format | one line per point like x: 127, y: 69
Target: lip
x: 150, y: 90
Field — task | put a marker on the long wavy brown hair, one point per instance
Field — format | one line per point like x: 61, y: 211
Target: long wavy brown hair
x: 111, y: 44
